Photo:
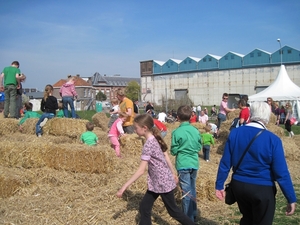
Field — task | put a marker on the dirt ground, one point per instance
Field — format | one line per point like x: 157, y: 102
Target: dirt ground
x: 56, y: 180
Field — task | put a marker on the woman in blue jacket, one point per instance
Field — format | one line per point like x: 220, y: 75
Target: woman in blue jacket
x: 253, y: 183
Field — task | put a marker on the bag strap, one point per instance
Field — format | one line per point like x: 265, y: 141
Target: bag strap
x: 237, y: 166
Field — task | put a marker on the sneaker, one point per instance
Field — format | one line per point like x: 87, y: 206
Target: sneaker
x: 207, y: 160
x: 43, y: 123
x: 39, y: 135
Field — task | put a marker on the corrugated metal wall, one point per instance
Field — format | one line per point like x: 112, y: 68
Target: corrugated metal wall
x: 206, y: 88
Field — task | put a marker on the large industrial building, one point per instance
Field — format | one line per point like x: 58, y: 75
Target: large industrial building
x: 205, y: 79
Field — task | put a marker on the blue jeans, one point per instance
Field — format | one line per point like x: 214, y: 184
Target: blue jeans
x: 206, y: 149
x: 38, y: 128
x: 163, y: 134
x: 67, y: 100
x: 10, y: 103
x: 187, y: 182
x: 221, y: 118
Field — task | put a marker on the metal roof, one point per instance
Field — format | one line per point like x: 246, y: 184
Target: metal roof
x: 100, y: 80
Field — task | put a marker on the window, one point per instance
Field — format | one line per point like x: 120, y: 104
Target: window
x: 289, y: 51
x: 85, y: 92
x: 209, y: 59
x: 259, y: 54
x: 190, y: 61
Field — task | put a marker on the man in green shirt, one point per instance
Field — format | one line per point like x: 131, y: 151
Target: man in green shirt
x: 185, y: 145
x: 11, y: 76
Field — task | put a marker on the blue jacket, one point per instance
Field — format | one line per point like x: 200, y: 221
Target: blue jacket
x: 263, y: 164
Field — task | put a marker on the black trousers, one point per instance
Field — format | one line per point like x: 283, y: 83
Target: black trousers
x: 256, y: 203
x: 169, y: 201
x: 288, y: 125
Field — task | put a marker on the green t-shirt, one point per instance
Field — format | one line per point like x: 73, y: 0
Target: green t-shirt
x: 29, y: 114
x: 207, y: 139
x: 185, y: 145
x: 60, y: 114
x: 89, y: 138
x: 10, y: 73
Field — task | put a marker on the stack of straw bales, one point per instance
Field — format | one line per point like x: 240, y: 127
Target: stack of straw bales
x: 55, y: 178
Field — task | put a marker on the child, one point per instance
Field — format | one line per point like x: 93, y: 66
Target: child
x: 68, y: 93
x: 207, y: 140
x: 28, y: 114
x: 89, y: 137
x: 161, y: 176
x: 213, y: 129
x: 116, y: 131
x: 114, y: 112
x: 185, y: 145
x: 48, y: 107
x: 162, y: 127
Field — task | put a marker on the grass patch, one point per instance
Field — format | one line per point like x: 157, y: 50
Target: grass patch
x: 279, y: 218
x: 295, y: 129
x: 86, y: 115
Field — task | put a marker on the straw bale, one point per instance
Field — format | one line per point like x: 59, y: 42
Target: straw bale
x: 102, y: 136
x: 279, y: 131
x: 66, y: 127
x: 272, y: 119
x: 291, y: 149
x: 199, y: 126
x: 61, y: 139
x: 234, y: 114
x: 132, y: 143
x: 172, y: 126
x: 100, y: 120
x: 28, y: 127
x: 79, y: 158
x: 9, y: 126
x: 12, y: 180
x: 22, y: 154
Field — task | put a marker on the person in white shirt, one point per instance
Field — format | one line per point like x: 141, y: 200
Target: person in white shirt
x: 162, y: 116
x: 203, y: 118
x: 198, y: 110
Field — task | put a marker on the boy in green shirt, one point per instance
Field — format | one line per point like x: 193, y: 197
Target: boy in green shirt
x: 207, y: 140
x: 185, y: 145
x: 89, y: 137
x: 11, y: 76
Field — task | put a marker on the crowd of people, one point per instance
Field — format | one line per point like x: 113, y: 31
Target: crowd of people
x: 253, y: 182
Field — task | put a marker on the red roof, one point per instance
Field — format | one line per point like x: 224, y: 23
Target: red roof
x: 78, y: 82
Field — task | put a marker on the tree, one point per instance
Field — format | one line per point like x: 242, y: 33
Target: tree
x: 133, y: 90
x: 101, y: 96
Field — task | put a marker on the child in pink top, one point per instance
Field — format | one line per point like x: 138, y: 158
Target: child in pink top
x: 68, y: 94
x: 161, y: 175
x: 116, y: 130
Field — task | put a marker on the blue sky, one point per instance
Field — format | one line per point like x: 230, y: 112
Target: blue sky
x: 52, y: 39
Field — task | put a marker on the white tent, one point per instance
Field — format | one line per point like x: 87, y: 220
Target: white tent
x: 282, y: 89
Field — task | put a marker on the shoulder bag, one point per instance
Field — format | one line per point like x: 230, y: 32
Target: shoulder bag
x: 229, y: 194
